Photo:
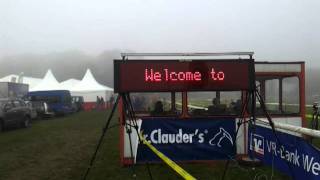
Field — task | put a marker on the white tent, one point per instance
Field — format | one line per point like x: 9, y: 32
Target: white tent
x: 49, y: 82
x: 32, y: 82
x: 89, y: 88
x: 69, y: 84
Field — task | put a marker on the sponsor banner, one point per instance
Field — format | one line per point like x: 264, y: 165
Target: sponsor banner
x: 188, y: 140
x: 292, y: 155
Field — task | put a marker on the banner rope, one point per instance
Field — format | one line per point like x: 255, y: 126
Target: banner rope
x: 167, y: 160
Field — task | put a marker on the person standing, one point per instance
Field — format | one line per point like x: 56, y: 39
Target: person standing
x: 102, y: 103
x: 111, y: 100
x: 97, y: 103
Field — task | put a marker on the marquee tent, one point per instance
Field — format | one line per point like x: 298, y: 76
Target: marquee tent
x: 69, y: 84
x: 49, y: 82
x: 90, y: 89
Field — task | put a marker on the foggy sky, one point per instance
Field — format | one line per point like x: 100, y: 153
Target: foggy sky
x: 273, y: 29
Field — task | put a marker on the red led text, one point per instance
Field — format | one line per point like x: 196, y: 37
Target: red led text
x: 166, y: 75
x: 217, y: 75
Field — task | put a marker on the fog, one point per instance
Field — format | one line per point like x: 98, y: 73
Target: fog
x: 69, y: 36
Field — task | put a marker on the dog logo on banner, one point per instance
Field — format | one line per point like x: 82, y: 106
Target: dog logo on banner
x: 221, y: 135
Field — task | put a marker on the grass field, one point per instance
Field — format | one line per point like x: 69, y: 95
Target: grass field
x: 61, y: 148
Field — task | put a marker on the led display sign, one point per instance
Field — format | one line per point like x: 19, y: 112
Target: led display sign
x: 172, y: 75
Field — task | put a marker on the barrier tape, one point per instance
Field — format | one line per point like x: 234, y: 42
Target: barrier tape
x: 168, y: 161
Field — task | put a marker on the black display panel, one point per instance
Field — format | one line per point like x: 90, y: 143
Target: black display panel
x: 173, y: 75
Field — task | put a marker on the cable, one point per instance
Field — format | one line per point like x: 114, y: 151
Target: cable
x: 272, y: 167
x: 240, y: 122
x: 129, y: 131
x: 263, y: 106
x: 104, y: 131
x: 252, y: 120
x: 137, y: 131
x: 132, y: 117
x: 260, y: 175
x: 112, y: 126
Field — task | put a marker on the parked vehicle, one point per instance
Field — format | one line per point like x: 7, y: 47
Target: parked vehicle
x: 77, y: 103
x: 41, y: 108
x: 59, y: 101
x: 14, y: 112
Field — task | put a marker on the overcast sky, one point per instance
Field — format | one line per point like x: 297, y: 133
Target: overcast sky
x: 273, y: 29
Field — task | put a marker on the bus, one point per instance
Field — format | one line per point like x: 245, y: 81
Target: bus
x: 59, y: 101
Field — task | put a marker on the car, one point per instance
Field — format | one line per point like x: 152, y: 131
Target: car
x: 14, y: 112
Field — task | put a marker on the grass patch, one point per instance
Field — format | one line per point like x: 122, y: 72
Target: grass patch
x: 61, y: 148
